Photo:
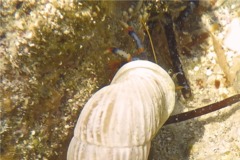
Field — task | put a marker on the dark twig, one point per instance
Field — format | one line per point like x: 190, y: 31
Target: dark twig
x: 204, y: 110
x: 177, y: 66
x: 192, y: 4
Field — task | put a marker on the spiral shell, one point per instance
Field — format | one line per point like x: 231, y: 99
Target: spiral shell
x: 120, y: 120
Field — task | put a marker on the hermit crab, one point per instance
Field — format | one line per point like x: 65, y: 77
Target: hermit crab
x: 121, y: 119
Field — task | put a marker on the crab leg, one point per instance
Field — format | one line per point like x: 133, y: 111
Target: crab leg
x: 141, y: 54
x: 136, y: 39
x: 121, y: 53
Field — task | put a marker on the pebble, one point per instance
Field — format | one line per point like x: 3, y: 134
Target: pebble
x: 232, y: 37
x: 208, y: 72
x: 196, y: 68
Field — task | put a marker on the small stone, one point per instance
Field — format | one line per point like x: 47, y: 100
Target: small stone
x: 33, y: 133
x: 130, y: 10
x: 196, y: 68
x: 208, y: 72
x: 232, y: 37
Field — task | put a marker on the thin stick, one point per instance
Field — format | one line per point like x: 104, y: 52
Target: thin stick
x: 177, y: 66
x: 203, y: 110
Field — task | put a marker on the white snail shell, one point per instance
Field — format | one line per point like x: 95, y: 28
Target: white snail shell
x: 120, y: 120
